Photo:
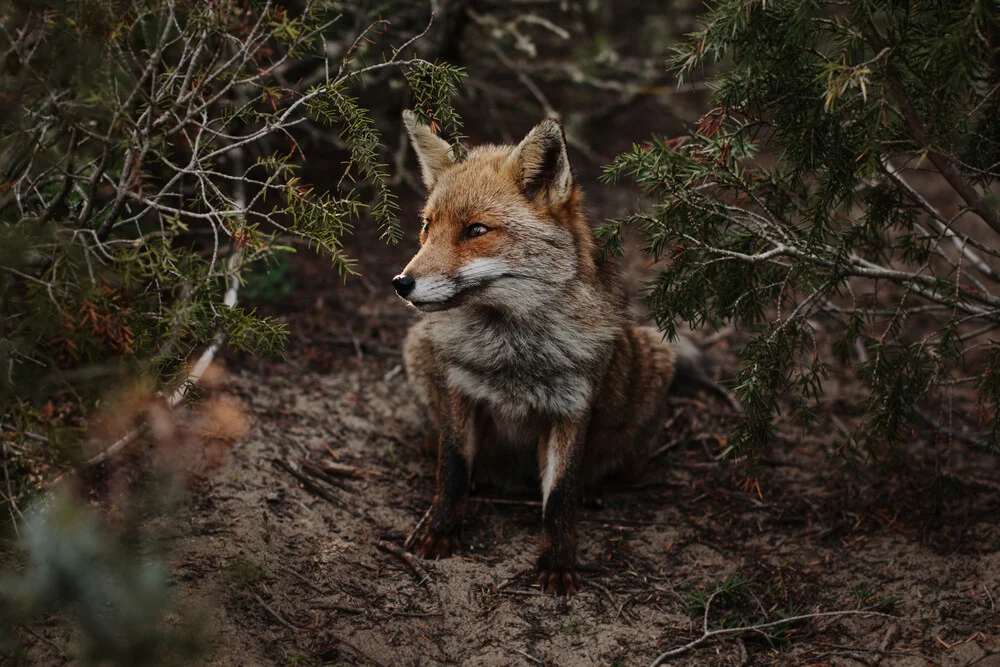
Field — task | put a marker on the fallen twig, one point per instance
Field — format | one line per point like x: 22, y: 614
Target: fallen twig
x: 709, y: 634
x: 511, y: 579
x: 37, y: 635
x: 313, y: 487
x: 666, y: 448
x: 416, y: 529
x: 523, y: 592
x: 306, y: 581
x: 416, y: 614
x: 423, y: 577
x: 529, y: 656
x: 603, y: 589
x: 339, y: 607
x: 344, y: 470
x: 10, y: 491
x: 319, y: 473
x: 275, y: 615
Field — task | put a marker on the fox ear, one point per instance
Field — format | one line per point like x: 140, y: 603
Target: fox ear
x: 433, y: 152
x: 543, y: 163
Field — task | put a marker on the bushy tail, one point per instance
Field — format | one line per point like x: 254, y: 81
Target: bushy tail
x: 692, y: 376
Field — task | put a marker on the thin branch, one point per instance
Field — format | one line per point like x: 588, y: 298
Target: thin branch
x: 721, y: 632
x: 976, y: 201
x: 939, y: 220
x: 10, y: 491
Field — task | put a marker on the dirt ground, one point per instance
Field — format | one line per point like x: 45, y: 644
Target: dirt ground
x: 293, y: 564
x: 312, y: 585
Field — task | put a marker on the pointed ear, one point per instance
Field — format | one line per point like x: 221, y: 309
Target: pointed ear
x: 543, y: 163
x: 433, y: 152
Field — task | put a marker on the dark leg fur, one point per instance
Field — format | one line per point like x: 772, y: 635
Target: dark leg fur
x: 556, y: 566
x: 453, y: 475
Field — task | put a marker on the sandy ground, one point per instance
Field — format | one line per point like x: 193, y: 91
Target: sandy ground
x: 294, y: 573
x: 292, y: 566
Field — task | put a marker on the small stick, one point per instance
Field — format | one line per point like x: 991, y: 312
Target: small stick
x: 319, y: 473
x: 708, y: 634
x: 344, y: 470
x: 339, y: 607
x: 10, y: 491
x: 275, y: 615
x: 607, y: 593
x: 529, y: 656
x: 514, y: 577
x: 30, y: 630
x: 411, y: 561
x: 416, y: 614
x: 312, y: 487
x: 524, y: 592
x: 665, y: 448
x: 413, y: 534
x: 307, y: 582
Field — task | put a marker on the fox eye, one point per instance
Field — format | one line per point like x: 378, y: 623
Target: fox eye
x: 425, y: 225
x: 474, y: 230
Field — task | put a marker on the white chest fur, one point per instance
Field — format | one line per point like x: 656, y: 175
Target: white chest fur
x: 521, y: 366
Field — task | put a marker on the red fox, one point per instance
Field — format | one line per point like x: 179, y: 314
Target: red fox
x: 524, y: 351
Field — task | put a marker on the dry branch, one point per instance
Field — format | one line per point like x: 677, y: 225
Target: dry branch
x: 423, y: 578
x: 721, y: 632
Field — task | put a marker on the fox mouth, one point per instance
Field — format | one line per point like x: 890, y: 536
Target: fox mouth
x: 463, y: 293
x: 453, y: 301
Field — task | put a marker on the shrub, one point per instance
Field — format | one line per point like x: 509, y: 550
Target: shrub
x: 802, y: 202
x: 150, y: 153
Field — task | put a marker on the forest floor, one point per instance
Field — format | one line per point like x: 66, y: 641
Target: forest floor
x: 920, y: 546
x: 294, y: 566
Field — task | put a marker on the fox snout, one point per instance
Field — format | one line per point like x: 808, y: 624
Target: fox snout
x: 403, y: 284
x: 430, y: 291
x: 427, y: 293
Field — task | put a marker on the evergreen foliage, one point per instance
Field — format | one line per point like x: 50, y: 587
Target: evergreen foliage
x: 845, y: 181
x: 150, y: 152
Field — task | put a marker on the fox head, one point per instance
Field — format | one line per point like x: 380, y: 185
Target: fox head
x: 501, y: 228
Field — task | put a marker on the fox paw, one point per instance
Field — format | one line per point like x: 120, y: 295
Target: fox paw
x: 559, y: 582
x: 436, y: 547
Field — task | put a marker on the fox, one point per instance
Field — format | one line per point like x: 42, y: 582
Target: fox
x: 524, y: 354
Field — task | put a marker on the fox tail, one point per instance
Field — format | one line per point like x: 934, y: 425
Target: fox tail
x: 691, y: 374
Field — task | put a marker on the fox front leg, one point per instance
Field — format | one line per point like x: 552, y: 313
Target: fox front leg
x: 559, y: 458
x: 454, y: 470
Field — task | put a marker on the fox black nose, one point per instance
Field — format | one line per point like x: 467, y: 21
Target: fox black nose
x: 403, y: 284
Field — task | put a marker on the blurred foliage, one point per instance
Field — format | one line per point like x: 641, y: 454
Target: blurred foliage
x: 71, y: 561
x: 792, y: 200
